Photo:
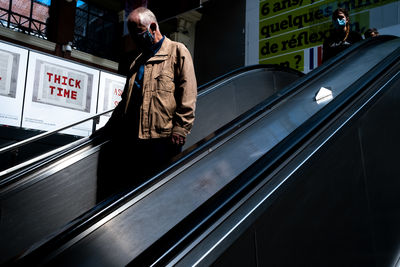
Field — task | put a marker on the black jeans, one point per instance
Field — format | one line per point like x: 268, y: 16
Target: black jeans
x: 154, y: 154
x: 124, y: 164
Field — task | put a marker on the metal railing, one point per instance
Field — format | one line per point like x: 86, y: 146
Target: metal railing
x: 46, y: 134
x: 24, y: 24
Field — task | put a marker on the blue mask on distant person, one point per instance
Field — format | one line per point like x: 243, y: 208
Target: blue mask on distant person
x: 340, y: 23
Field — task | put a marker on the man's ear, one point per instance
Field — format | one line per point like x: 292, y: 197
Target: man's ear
x: 153, y: 27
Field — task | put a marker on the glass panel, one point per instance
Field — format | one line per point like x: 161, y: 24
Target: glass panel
x: 5, y: 4
x: 38, y: 28
x: 81, y: 20
x: 40, y: 12
x: 44, y: 2
x: 3, y: 17
x: 95, y: 27
x: 82, y: 5
x: 22, y: 7
x: 19, y: 21
x: 95, y: 30
x: 96, y: 11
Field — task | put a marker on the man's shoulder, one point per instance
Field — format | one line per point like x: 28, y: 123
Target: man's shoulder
x: 178, y: 46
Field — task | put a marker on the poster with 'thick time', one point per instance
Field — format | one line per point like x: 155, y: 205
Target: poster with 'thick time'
x: 59, y: 92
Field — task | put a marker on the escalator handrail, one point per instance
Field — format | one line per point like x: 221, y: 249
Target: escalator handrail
x: 83, y: 222
x: 46, y: 134
x: 205, y: 88
x: 37, y: 161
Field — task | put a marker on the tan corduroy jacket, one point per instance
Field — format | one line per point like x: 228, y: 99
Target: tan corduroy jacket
x: 169, y: 93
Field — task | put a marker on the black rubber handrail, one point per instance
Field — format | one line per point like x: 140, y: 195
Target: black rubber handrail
x: 49, y: 133
x: 273, y: 67
x: 86, y: 220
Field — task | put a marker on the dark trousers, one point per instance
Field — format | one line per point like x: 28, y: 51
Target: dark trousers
x: 123, y: 165
x: 154, y: 154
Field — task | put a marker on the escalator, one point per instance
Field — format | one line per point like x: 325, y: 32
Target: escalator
x: 293, y: 181
x: 42, y: 195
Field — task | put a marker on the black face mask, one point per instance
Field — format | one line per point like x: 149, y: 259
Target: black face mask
x: 144, y: 40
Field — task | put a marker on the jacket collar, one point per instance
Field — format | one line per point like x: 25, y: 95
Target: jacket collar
x: 161, y: 55
x: 163, y: 52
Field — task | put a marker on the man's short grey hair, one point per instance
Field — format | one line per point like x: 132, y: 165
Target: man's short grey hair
x: 146, y: 16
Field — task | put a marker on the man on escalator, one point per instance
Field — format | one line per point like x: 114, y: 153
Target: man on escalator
x: 156, y: 113
x: 341, y: 36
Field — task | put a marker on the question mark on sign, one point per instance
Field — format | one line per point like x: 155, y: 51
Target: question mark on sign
x: 298, y: 59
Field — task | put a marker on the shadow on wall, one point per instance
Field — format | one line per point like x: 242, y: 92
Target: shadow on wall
x: 220, y: 39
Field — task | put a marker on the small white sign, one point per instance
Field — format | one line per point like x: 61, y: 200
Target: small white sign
x: 110, y: 92
x: 323, y: 95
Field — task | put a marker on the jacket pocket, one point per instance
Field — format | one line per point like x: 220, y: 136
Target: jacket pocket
x: 164, y: 103
x: 165, y: 81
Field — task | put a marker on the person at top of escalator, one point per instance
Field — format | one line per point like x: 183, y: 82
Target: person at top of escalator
x: 371, y: 32
x: 341, y: 36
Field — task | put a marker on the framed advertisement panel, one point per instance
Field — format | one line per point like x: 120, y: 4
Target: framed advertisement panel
x: 110, y: 91
x: 58, y: 93
x: 292, y: 34
x: 13, y: 61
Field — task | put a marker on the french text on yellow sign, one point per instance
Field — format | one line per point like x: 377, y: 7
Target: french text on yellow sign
x: 306, y: 37
x: 294, y: 41
x: 295, y: 20
x: 293, y: 60
x: 270, y: 8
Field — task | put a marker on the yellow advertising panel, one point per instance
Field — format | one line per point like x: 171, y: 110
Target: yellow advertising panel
x: 295, y: 20
x: 289, y: 26
x: 306, y: 37
x: 293, y: 60
x: 271, y: 8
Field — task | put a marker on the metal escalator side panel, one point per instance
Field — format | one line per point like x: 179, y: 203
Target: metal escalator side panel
x: 295, y: 210
x: 234, y: 98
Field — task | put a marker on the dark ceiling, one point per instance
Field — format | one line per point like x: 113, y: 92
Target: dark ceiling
x: 163, y: 9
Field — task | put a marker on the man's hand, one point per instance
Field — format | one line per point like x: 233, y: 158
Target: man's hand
x: 178, y: 139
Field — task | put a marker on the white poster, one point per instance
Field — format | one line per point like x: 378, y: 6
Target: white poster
x: 13, y: 62
x: 110, y: 91
x: 61, y: 86
x: 6, y: 64
x: 59, y: 92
